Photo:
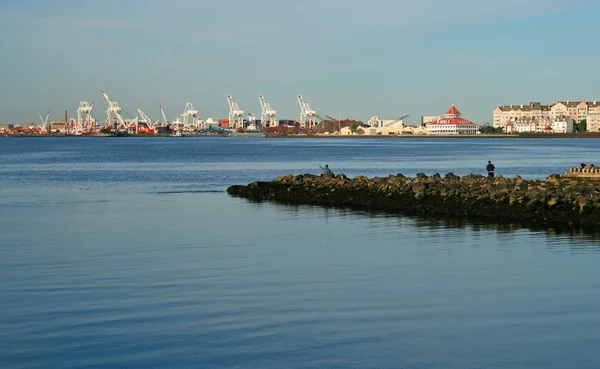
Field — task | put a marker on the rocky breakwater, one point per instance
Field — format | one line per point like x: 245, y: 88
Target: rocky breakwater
x: 559, y: 201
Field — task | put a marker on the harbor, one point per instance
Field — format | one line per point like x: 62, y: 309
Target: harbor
x: 118, y: 122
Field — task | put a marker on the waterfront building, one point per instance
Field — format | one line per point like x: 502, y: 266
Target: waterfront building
x: 452, y: 124
x: 563, y: 124
x: 521, y: 125
x: 577, y: 110
x: 593, y: 122
x: 506, y: 113
x: 594, y: 107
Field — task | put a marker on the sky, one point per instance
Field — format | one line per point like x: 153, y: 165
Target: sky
x: 351, y: 58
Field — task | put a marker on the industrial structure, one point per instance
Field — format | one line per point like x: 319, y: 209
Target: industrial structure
x: 145, y: 124
x: 85, y: 120
x: 45, y: 127
x: 113, y: 114
x: 236, y: 115
x: 268, y: 115
x: 308, y: 116
x: 165, y: 120
x: 377, y: 122
x: 190, y: 116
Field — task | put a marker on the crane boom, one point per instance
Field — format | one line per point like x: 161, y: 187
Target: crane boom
x: 236, y: 114
x: 307, y: 114
x: 146, y: 119
x: 190, y: 116
x: 164, y: 115
x: 268, y: 114
x: 45, y: 120
x: 398, y: 119
x: 113, y: 112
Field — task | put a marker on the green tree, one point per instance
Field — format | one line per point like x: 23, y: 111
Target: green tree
x: 582, y: 126
x: 490, y: 130
x: 240, y: 130
x: 353, y: 128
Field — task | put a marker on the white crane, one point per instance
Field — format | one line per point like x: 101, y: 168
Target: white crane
x: 148, y: 121
x: 45, y: 127
x: 145, y: 119
x: 268, y: 115
x: 190, y: 116
x: 133, y: 125
x: 113, y: 113
x: 236, y: 115
x: 164, y: 117
x: 308, y: 116
x: 85, y: 120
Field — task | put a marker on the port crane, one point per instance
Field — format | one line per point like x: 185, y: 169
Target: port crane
x: 147, y: 121
x: 85, y: 121
x: 236, y: 115
x: 307, y: 114
x: 44, y: 126
x: 190, y: 116
x: 113, y: 114
x: 268, y: 114
x: 165, y: 119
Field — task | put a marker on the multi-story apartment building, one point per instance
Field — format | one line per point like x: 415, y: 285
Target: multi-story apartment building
x: 593, y: 122
x: 560, y: 124
x: 576, y: 110
x: 506, y: 113
x: 593, y: 117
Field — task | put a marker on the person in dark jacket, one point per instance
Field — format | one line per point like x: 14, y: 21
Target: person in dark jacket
x: 490, y: 169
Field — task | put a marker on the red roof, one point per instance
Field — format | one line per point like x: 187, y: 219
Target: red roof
x: 453, y: 111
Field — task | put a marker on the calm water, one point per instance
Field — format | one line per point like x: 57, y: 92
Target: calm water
x: 129, y: 253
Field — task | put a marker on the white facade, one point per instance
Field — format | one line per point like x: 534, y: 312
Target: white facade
x: 540, y: 125
x: 452, y: 124
x: 451, y: 129
x: 371, y: 131
x: 562, y: 125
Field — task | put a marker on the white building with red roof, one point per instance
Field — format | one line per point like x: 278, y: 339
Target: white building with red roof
x: 452, y: 124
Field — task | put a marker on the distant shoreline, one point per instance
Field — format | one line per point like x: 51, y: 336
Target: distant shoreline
x: 255, y: 135
x: 522, y: 135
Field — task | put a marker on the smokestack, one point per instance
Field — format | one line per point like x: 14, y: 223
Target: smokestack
x: 66, y: 123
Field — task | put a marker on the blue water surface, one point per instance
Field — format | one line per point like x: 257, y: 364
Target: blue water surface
x: 128, y: 253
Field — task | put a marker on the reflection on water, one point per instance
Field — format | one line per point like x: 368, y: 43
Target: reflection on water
x: 581, y: 239
x: 129, y: 253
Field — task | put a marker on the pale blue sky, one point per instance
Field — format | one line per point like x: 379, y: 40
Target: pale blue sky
x: 356, y: 58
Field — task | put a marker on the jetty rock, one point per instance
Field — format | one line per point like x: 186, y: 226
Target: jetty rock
x: 570, y: 200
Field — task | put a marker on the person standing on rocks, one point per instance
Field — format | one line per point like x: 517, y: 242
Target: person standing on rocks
x: 490, y: 169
